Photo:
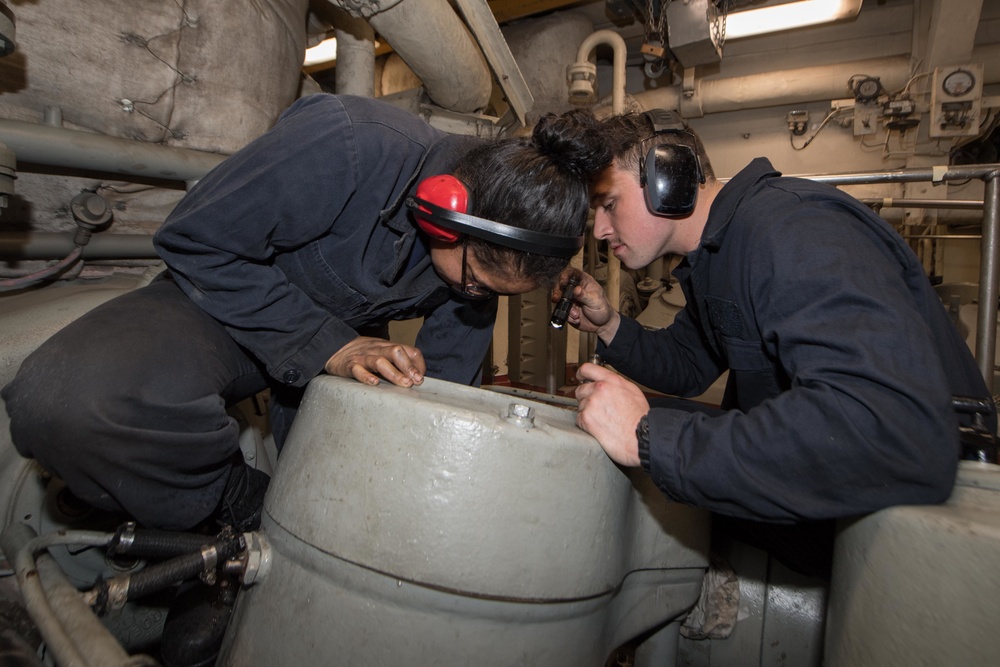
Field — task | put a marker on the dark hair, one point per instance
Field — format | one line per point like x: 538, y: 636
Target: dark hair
x: 630, y: 135
x: 539, y: 183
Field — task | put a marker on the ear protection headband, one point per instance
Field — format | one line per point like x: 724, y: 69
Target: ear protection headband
x: 440, y: 206
x: 670, y: 173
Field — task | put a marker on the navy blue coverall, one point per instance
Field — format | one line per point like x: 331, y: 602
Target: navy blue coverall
x: 842, y: 361
x: 285, y: 252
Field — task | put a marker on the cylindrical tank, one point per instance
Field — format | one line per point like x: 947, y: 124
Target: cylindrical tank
x: 917, y: 585
x: 449, y: 525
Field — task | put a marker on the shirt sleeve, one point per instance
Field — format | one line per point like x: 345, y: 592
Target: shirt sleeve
x: 455, y: 338
x: 674, y: 360
x: 866, y: 421
x: 220, y: 240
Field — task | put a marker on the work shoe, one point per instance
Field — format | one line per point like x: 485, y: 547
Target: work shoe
x: 243, y: 498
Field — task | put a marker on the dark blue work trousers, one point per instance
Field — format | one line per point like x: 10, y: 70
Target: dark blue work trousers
x: 127, y: 405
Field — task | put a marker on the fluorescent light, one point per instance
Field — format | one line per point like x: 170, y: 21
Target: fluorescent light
x: 789, y: 15
x: 323, y: 52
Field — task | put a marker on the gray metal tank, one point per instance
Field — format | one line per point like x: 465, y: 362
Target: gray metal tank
x: 918, y: 585
x: 449, y: 525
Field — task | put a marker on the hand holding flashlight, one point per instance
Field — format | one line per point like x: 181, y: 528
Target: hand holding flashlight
x: 561, y: 311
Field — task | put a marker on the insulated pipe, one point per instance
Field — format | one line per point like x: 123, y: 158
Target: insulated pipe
x: 434, y: 42
x: 617, y: 44
x: 60, y: 147
x: 355, y: 56
x: 97, y: 645
x: 20, y: 544
x: 796, y: 86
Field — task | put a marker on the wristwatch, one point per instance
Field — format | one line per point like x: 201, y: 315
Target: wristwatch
x: 642, y: 435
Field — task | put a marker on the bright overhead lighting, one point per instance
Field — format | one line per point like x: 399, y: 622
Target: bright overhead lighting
x: 789, y: 15
x: 323, y: 52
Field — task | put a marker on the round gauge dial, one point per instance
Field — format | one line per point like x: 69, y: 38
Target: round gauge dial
x: 868, y: 89
x: 958, y: 83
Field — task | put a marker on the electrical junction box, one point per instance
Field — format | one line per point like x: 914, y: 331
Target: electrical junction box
x: 866, y: 117
x: 956, y: 101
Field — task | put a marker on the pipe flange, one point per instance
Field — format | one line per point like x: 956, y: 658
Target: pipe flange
x: 90, y: 210
x: 258, y: 558
x: 582, y: 77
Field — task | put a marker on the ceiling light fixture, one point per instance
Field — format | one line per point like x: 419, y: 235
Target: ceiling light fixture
x: 776, y: 18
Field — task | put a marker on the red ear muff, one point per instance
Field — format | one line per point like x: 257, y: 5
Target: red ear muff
x: 439, y: 207
x: 447, y: 192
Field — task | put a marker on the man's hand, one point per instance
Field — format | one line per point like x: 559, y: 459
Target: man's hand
x: 591, y: 311
x: 365, y: 359
x: 610, y: 409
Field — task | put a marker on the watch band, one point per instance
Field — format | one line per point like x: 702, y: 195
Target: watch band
x: 642, y: 436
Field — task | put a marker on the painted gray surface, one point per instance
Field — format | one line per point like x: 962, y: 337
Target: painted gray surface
x: 918, y: 585
x: 425, y: 523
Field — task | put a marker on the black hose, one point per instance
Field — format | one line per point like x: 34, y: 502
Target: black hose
x: 155, y: 544
x: 160, y: 576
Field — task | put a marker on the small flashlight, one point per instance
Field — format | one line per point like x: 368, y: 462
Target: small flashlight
x: 561, y: 311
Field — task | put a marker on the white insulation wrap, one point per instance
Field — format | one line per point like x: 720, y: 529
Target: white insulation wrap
x: 194, y: 74
x: 199, y: 74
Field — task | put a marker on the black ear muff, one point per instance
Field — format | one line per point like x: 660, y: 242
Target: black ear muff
x: 670, y: 173
x: 440, y: 207
x: 669, y: 177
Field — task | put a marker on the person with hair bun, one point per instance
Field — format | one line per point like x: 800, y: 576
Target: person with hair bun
x: 286, y: 261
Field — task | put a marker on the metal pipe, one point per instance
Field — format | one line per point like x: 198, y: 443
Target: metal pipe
x: 821, y: 83
x: 989, y: 281
x: 60, y: 147
x: 909, y: 175
x: 55, y: 245
x: 894, y: 202
x: 960, y: 237
x: 617, y: 44
x: 430, y: 38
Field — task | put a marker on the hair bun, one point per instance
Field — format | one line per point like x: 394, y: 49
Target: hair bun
x: 573, y: 141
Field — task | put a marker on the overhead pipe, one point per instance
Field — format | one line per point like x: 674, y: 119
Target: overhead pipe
x: 61, y: 147
x: 434, y: 42
x: 55, y: 245
x: 793, y: 86
x: 355, y: 56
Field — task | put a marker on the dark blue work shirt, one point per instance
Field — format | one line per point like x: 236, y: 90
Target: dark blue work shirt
x: 842, y: 361
x: 299, y: 241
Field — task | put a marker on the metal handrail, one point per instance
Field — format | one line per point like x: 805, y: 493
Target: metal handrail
x: 989, y: 257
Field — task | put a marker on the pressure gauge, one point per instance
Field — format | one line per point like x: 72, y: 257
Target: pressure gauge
x: 867, y: 89
x: 959, y: 83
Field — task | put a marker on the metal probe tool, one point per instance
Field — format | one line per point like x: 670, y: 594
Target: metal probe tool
x: 561, y: 311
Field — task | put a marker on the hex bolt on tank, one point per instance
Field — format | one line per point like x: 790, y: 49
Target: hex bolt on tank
x: 521, y: 415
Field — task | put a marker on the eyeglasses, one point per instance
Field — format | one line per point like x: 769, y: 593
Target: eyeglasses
x: 471, y: 290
